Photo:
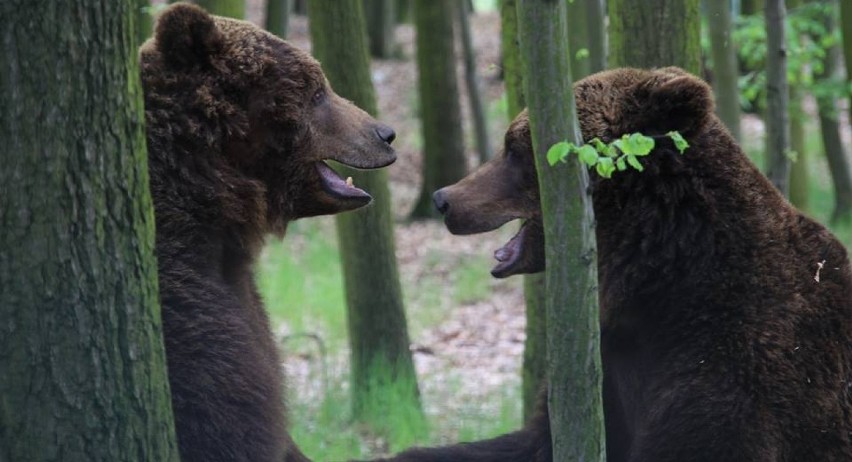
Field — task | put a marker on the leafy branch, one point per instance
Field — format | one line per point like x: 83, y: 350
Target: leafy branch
x: 606, y: 158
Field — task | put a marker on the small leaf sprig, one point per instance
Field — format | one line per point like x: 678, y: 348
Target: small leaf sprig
x: 606, y: 158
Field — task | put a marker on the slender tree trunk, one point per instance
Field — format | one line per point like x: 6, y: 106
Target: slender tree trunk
x: 230, y: 8
x: 83, y: 364
x: 300, y: 7
x: 534, y: 369
x: 838, y: 163
x: 777, y: 98
x: 144, y: 21
x: 480, y: 122
x: 378, y: 333
x: 573, y: 328
x: 403, y: 11
x: 443, y: 148
x: 278, y: 17
x: 381, y: 24
x: 655, y: 33
x: 799, y: 175
x: 725, y: 69
x: 595, y: 18
x: 846, y: 30
x: 578, y: 38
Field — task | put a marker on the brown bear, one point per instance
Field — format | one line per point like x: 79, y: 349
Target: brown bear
x: 239, y: 126
x: 726, y: 315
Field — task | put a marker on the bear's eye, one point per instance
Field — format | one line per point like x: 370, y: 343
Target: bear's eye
x: 319, y: 96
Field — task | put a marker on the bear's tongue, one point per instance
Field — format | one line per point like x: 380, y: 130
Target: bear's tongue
x: 337, y: 186
x: 510, y: 254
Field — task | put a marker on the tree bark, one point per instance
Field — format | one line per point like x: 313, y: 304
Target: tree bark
x: 144, y: 20
x: 846, y: 30
x: 777, y: 98
x: 443, y: 148
x: 480, y: 122
x: 578, y: 38
x: 655, y: 33
x: 84, y: 374
x: 725, y: 69
x: 573, y: 328
x: 829, y: 123
x: 278, y: 17
x: 231, y: 8
x: 381, y: 24
x: 378, y: 332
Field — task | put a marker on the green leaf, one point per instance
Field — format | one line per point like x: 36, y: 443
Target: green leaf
x: 679, y: 142
x: 582, y: 53
x: 588, y: 155
x: 641, y: 145
x: 558, y: 152
x: 605, y: 167
x: 634, y: 162
x: 620, y: 165
x: 601, y: 147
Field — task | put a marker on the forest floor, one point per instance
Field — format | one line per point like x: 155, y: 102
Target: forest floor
x: 467, y: 328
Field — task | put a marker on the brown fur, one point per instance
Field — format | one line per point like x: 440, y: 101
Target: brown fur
x: 238, y: 122
x: 718, y: 344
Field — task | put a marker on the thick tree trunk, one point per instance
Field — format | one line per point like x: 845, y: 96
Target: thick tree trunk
x: 655, y: 33
x: 573, y: 330
x: 83, y: 365
x: 480, y: 123
x: 278, y: 17
x: 829, y: 123
x: 443, y: 148
x: 381, y: 24
x: 777, y: 98
x: 230, y: 8
x: 378, y: 333
x: 534, y: 369
x: 725, y: 71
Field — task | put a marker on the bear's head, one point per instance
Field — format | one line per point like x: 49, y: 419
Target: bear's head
x: 609, y: 104
x: 252, y: 121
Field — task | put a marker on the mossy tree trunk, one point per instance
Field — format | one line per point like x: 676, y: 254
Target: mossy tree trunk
x: 278, y: 17
x: 578, y: 38
x: 534, y: 369
x: 378, y: 333
x: 846, y: 31
x: 474, y: 93
x: 777, y: 98
x: 655, y: 33
x: 725, y: 70
x: 596, y: 22
x: 83, y: 363
x: 829, y: 124
x: 144, y: 20
x: 230, y: 8
x: 573, y: 330
x: 443, y: 147
x: 381, y: 27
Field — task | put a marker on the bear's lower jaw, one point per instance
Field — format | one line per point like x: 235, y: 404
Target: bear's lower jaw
x: 343, y: 191
x: 523, y: 254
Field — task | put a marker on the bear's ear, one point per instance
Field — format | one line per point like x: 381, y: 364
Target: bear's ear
x: 187, y: 35
x: 679, y: 101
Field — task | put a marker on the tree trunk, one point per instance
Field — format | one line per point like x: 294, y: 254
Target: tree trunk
x: 829, y: 124
x: 480, y: 123
x: 84, y: 372
x: 578, y: 38
x: 378, y: 333
x: 144, y: 20
x: 443, y: 148
x: 381, y: 24
x: 799, y: 175
x: 573, y: 327
x: 655, y: 33
x: 278, y: 17
x: 846, y: 30
x: 534, y: 369
x: 231, y: 8
x: 300, y: 7
x: 777, y: 98
x: 595, y: 18
x: 725, y: 71
x: 751, y: 7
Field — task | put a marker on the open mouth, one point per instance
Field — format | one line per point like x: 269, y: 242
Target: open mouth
x: 524, y: 253
x: 339, y: 188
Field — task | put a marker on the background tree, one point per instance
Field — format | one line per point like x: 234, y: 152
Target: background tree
x: 799, y: 175
x: 725, y: 70
x: 596, y: 23
x: 655, y: 33
x: 846, y: 31
x: 230, y: 8
x: 573, y: 330
x: 378, y: 334
x: 474, y: 93
x: 830, y: 125
x: 84, y: 375
x: 381, y: 26
x: 443, y: 148
x: 144, y: 20
x: 777, y: 98
x: 278, y: 17
x: 578, y: 38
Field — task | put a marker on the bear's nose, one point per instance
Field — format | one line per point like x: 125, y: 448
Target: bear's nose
x: 386, y: 133
x: 440, y: 200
